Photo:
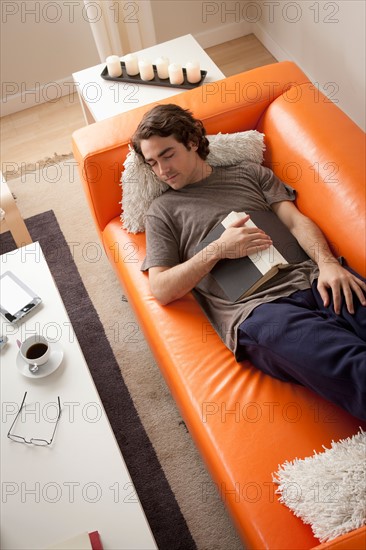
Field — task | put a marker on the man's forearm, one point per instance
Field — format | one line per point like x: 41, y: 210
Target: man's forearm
x: 312, y: 240
x: 170, y: 284
x: 307, y: 233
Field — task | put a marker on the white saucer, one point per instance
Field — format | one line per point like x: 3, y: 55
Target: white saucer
x: 48, y: 368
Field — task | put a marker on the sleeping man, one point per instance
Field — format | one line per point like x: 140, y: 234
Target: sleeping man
x: 316, y: 306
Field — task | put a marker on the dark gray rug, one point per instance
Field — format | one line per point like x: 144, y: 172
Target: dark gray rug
x: 162, y: 511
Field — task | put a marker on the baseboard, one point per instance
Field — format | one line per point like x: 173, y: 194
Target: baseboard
x: 21, y: 97
x: 223, y: 33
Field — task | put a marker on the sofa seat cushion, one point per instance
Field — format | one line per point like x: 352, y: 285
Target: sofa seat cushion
x: 244, y: 423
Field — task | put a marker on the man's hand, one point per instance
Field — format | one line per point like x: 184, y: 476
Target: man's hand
x: 238, y: 241
x: 333, y: 277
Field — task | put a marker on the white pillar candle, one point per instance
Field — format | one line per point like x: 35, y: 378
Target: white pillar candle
x: 193, y: 72
x: 114, y: 66
x: 175, y: 74
x: 131, y: 64
x: 146, y: 69
x: 162, y: 64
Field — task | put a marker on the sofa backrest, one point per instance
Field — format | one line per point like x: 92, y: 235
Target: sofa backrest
x: 311, y: 144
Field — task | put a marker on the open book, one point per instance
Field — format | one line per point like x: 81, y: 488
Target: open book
x: 241, y: 277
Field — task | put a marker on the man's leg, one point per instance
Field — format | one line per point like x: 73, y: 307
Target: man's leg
x: 297, y: 339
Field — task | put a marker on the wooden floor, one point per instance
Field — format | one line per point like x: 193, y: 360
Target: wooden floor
x: 240, y: 55
x: 43, y: 131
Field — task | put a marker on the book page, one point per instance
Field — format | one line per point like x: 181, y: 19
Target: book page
x: 264, y: 260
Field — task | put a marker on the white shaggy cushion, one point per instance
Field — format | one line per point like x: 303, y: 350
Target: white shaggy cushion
x: 140, y: 186
x: 327, y: 490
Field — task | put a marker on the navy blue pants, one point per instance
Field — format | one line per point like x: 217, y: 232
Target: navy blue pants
x: 297, y: 339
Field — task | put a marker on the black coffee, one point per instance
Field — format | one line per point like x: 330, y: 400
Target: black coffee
x: 36, y: 351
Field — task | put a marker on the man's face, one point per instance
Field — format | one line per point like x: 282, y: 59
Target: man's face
x: 172, y: 162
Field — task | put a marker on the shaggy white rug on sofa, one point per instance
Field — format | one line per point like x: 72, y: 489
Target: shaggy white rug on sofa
x: 327, y: 490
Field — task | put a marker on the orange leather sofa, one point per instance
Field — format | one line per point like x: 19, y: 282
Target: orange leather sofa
x: 243, y: 422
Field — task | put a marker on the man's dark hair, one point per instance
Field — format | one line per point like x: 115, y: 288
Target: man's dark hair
x: 171, y: 120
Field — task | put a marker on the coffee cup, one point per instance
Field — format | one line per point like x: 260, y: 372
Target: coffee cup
x: 35, y: 350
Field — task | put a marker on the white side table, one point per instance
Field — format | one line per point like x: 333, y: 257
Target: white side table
x: 102, y: 99
x: 10, y: 218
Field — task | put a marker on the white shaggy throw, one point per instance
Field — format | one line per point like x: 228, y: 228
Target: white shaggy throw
x: 327, y: 490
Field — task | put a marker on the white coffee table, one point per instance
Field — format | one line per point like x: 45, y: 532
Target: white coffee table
x: 81, y: 482
x: 102, y: 99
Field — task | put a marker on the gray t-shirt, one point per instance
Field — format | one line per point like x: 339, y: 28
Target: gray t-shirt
x: 179, y: 219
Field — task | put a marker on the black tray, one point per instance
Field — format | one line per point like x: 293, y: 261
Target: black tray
x: 156, y: 81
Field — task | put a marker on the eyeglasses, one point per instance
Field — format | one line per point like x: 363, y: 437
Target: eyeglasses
x: 33, y: 441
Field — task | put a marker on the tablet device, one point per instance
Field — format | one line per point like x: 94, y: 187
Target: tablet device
x: 16, y: 298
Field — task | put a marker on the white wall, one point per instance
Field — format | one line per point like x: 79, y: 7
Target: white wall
x: 42, y: 44
x: 210, y: 22
x: 44, y: 41
x: 326, y: 39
